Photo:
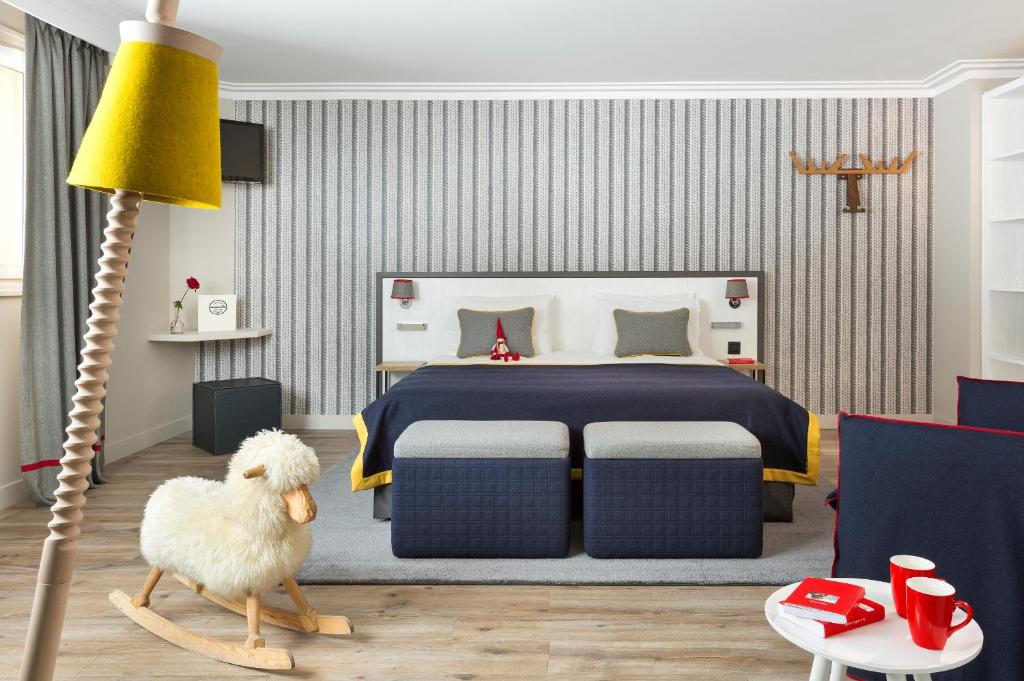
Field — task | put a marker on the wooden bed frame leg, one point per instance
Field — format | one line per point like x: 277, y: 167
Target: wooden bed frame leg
x: 307, y: 615
x: 141, y: 599
x: 252, y: 614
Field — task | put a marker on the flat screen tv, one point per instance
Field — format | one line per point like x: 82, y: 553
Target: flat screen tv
x: 241, y: 151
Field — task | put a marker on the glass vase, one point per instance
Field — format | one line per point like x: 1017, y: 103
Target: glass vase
x: 177, y: 326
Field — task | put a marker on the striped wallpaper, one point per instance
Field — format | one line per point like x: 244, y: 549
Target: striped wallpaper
x: 356, y: 187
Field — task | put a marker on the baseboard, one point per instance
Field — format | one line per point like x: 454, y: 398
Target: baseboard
x: 118, y: 449
x: 12, y: 493
x: 831, y: 421
x: 317, y: 421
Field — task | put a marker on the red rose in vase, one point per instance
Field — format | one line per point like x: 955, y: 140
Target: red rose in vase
x: 177, y: 326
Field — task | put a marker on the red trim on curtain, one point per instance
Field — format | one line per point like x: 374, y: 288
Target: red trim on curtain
x: 48, y: 463
x: 43, y: 463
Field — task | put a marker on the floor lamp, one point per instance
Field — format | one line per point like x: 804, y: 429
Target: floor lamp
x: 155, y: 136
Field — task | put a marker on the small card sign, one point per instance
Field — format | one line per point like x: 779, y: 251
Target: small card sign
x: 218, y: 312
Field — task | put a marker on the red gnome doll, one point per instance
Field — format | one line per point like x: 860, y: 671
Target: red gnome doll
x: 500, y: 349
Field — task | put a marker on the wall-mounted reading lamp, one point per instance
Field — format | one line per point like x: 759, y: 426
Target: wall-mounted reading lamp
x: 402, y: 290
x: 735, y: 291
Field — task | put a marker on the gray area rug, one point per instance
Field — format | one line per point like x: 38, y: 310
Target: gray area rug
x: 350, y: 547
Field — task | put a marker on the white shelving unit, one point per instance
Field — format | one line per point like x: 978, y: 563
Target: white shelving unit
x: 197, y: 337
x: 1002, y: 241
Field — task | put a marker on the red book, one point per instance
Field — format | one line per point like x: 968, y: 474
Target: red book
x: 865, y: 612
x: 823, y: 599
x: 741, y: 360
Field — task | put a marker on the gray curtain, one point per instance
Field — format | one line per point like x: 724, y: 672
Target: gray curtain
x: 63, y: 232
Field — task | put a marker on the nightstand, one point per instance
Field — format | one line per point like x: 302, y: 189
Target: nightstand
x: 756, y: 370
x: 385, y: 369
x: 883, y: 647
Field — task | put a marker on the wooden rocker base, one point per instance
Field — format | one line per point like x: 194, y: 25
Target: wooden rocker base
x: 255, y: 657
x: 309, y: 621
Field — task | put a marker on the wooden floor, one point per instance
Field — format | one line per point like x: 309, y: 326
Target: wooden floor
x: 402, y: 632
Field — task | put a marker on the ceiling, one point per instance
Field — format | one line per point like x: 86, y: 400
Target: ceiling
x: 575, y: 41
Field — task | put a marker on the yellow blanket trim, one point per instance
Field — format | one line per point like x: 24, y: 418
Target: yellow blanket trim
x: 358, y: 481
x: 770, y: 474
x: 813, y: 458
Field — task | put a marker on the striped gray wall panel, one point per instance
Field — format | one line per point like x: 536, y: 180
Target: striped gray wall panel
x: 356, y: 187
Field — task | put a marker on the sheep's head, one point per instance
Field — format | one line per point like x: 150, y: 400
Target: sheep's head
x: 284, y: 464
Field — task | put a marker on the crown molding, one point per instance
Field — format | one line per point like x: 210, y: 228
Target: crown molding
x: 972, y: 69
x: 11, y: 38
x: 940, y: 81
x: 468, y: 91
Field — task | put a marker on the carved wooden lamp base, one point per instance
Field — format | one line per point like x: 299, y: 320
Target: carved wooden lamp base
x: 58, y: 559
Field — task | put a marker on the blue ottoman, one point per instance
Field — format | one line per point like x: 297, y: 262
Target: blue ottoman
x: 226, y: 412
x: 481, y: 489
x: 671, y: 490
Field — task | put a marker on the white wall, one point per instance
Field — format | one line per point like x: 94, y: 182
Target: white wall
x: 957, y: 242
x: 202, y: 245
x: 149, y: 397
x: 12, y: 490
x: 149, y: 392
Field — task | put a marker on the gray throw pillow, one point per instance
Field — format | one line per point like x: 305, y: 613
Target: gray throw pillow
x: 652, y: 333
x: 477, y: 331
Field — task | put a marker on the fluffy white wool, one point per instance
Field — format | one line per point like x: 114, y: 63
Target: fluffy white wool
x: 235, y: 537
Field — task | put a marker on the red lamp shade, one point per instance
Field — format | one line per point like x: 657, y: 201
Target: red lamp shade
x: 402, y: 289
x: 735, y: 289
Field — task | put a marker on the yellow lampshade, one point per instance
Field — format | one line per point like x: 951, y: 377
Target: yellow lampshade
x: 156, y: 130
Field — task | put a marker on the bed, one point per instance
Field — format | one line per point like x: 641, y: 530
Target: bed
x: 578, y: 386
x: 579, y: 391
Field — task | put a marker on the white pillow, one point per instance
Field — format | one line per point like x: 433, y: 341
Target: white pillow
x: 605, y: 336
x: 542, y: 321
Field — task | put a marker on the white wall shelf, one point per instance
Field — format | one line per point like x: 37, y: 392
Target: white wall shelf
x: 1012, y: 156
x: 197, y: 337
x: 1002, y: 239
x: 1009, y: 359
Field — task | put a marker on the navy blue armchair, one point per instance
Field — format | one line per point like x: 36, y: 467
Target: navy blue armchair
x: 949, y: 493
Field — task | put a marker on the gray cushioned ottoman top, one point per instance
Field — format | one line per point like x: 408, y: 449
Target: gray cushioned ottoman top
x: 484, y: 440
x: 669, y: 440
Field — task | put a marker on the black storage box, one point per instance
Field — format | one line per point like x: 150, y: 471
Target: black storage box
x: 226, y: 412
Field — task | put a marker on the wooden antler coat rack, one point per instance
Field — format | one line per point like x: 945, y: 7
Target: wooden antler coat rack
x: 852, y: 175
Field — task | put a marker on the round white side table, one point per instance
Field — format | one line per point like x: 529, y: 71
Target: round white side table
x: 884, y: 647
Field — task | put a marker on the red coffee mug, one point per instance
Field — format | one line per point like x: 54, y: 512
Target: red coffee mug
x: 902, y: 568
x: 930, y: 606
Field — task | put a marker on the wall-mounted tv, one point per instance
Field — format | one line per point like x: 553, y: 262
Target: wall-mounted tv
x: 241, y: 151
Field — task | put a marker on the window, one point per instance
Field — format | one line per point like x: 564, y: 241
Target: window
x: 12, y: 162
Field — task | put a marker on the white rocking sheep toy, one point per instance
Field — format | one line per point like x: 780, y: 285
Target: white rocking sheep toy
x: 231, y: 542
